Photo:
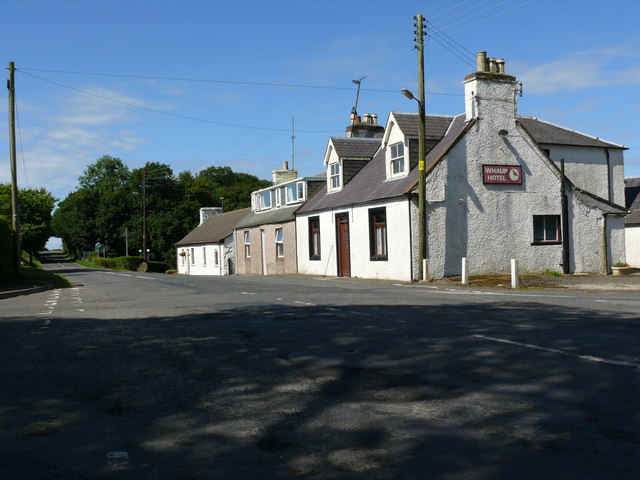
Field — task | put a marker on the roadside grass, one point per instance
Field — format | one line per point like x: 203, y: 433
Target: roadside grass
x: 504, y: 281
x: 31, y: 274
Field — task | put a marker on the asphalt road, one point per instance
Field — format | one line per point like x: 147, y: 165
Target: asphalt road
x: 144, y: 376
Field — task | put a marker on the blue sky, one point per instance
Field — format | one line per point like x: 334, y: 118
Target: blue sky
x: 200, y: 83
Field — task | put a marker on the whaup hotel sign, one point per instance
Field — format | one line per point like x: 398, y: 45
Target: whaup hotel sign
x: 502, y: 174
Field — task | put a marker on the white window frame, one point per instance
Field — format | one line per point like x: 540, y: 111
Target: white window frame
x: 193, y: 256
x: 247, y: 244
x: 204, y: 256
x: 279, y: 243
x: 216, y: 259
x: 279, y: 197
x: 335, y: 176
x: 397, y: 160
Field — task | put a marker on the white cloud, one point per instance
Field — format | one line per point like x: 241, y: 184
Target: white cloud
x: 608, y: 66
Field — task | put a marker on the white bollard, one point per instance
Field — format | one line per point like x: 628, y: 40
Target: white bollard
x: 465, y: 271
x: 514, y: 274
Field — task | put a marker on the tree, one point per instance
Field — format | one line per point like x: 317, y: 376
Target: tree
x: 74, y: 222
x: 35, y: 207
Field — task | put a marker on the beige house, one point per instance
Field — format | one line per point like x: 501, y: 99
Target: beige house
x: 265, y: 240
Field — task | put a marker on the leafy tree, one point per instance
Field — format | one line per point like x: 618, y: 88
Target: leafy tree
x: 35, y: 207
x: 109, y: 199
x: 74, y: 222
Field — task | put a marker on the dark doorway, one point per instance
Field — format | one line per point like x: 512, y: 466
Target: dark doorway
x: 344, y: 257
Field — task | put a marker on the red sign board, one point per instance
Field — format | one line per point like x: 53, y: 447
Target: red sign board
x: 505, y: 174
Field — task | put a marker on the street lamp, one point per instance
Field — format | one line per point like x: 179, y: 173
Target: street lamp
x: 421, y: 179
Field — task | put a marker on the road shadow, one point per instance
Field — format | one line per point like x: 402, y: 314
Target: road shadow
x: 358, y: 392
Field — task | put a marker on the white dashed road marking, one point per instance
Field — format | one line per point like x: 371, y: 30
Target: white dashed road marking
x: 589, y: 358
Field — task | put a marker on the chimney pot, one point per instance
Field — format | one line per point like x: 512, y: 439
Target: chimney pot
x: 285, y: 165
x: 367, y: 118
x: 500, y: 62
x: 493, y: 68
x: 481, y: 61
x: 374, y: 119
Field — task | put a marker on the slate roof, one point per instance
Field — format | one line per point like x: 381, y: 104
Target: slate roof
x: 632, y: 200
x: 370, y: 184
x: 215, y: 229
x: 545, y: 132
x: 275, y: 215
x: 435, y: 125
x: 355, y: 147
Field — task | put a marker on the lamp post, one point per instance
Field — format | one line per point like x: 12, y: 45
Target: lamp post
x: 419, y: 39
x: 421, y: 178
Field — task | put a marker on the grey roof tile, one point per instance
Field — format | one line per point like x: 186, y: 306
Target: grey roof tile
x: 548, y: 133
x: 370, y: 185
x: 215, y: 229
x: 355, y: 147
x: 632, y: 200
x: 275, y: 215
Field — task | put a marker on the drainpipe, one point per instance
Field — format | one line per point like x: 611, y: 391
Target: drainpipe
x: 606, y: 151
x: 605, y: 246
x: 565, y: 221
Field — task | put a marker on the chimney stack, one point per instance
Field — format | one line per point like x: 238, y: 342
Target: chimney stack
x: 489, y: 65
x: 481, y: 61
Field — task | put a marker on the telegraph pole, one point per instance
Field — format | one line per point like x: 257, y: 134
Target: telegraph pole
x: 144, y: 215
x: 419, y: 31
x: 15, y: 210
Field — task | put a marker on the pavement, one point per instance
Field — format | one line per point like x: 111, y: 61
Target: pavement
x: 578, y: 282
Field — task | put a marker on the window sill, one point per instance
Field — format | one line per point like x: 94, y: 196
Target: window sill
x: 379, y: 259
x: 545, y: 243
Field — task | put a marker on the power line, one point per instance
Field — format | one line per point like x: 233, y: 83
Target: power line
x: 493, y: 16
x: 177, y: 115
x: 204, y: 80
x: 24, y: 166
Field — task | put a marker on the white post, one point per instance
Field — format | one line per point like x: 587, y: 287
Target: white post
x: 465, y: 271
x: 425, y: 269
x: 514, y: 274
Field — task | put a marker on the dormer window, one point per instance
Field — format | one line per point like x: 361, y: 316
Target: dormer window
x: 397, y: 159
x: 263, y: 200
x: 334, y: 176
x: 295, y: 192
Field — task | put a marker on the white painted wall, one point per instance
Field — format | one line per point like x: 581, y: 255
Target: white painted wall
x: 197, y: 262
x: 632, y: 236
x: 396, y: 267
x: 587, y: 169
x: 491, y: 224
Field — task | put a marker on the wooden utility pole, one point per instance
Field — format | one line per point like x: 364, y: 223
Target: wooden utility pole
x: 15, y: 210
x: 421, y: 146
x: 144, y: 215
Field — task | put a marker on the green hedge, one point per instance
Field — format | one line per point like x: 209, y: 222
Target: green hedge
x: 130, y: 263
x: 6, y: 247
x: 158, y: 267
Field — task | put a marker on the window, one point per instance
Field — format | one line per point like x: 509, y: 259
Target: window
x: 204, y: 256
x: 278, y: 197
x: 247, y: 245
x: 265, y: 200
x: 397, y: 158
x: 295, y: 192
x: 314, y: 238
x: 334, y: 178
x: 378, y: 234
x: 215, y: 258
x: 546, y: 229
x: 279, y: 243
x: 183, y: 254
x: 193, y: 257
